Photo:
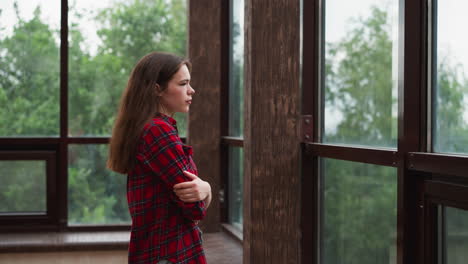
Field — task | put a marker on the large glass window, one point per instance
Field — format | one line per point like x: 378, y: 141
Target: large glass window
x: 236, y: 161
x: 23, y: 186
x: 236, y: 72
x: 450, y: 79
x: 359, y: 213
x: 235, y: 109
x: 107, y: 38
x: 360, y: 72
x: 29, y: 68
x: 72, y: 112
x: 96, y: 195
x: 453, y: 240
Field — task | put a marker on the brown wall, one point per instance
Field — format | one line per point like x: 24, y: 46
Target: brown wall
x: 204, y: 122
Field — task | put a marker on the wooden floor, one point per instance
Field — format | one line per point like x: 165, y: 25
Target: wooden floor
x: 221, y: 248
x: 82, y: 248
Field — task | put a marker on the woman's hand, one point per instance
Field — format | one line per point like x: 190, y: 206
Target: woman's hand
x: 194, y: 190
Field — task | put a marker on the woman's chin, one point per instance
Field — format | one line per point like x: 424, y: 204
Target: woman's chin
x: 184, y: 111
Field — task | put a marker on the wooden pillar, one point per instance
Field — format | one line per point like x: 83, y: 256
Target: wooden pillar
x: 204, y: 122
x: 271, y: 141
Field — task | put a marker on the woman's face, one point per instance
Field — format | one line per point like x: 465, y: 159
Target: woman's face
x: 177, y: 97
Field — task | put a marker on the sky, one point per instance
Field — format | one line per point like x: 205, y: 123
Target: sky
x: 51, y: 15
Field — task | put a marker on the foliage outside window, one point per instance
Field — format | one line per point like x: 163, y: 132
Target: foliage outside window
x: 106, y: 38
x: 361, y: 73
x: 450, y: 78
x: 105, y: 44
x: 23, y: 186
x: 359, y: 213
x: 360, y: 107
x: 29, y: 71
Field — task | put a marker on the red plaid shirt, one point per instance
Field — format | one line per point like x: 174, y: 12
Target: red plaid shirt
x: 163, y: 227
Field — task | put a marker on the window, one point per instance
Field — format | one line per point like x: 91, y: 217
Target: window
x: 452, y: 230
x: 450, y: 78
x: 30, y: 64
x: 384, y: 132
x: 359, y: 212
x: 236, y: 161
x: 360, y: 73
x: 233, y: 130
x: 61, y: 77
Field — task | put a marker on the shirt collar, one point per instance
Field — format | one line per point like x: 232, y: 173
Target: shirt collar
x: 167, y: 118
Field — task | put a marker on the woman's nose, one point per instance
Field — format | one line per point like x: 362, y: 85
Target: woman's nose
x: 191, y: 90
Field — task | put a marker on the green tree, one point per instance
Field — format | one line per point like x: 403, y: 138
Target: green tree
x: 451, y: 131
x: 29, y: 79
x: 29, y: 95
x: 129, y: 31
x: 360, y: 86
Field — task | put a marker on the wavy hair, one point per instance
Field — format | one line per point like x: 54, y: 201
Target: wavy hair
x: 138, y: 104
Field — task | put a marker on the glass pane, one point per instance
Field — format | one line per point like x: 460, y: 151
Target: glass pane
x: 96, y: 195
x: 361, y: 72
x: 358, y: 213
x: 236, y: 69
x: 451, y: 83
x: 236, y: 172
x: 106, y: 39
x: 23, y: 186
x: 455, y: 240
x: 29, y: 67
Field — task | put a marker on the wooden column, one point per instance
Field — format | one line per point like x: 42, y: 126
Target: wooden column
x: 204, y: 123
x: 271, y: 142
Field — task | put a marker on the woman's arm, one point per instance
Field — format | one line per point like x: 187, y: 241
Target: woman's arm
x: 164, y: 155
x: 194, y: 190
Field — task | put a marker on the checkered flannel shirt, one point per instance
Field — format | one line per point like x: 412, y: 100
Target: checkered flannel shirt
x: 163, y: 227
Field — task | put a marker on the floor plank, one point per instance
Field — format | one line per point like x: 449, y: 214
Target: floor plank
x: 221, y: 248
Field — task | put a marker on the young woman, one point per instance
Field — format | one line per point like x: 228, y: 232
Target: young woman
x: 165, y: 197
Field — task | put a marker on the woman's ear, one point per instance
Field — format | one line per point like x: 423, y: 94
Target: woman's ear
x: 158, y: 90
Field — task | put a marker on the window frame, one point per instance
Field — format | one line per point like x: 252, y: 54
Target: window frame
x: 416, y: 164
x: 56, y: 149
x: 11, y: 221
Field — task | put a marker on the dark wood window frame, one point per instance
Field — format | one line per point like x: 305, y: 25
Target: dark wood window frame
x: 34, y: 219
x: 55, y: 149
x: 413, y: 157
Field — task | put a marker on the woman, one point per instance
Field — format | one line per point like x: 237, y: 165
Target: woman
x: 165, y: 197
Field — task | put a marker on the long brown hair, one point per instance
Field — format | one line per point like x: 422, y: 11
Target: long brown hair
x: 138, y: 104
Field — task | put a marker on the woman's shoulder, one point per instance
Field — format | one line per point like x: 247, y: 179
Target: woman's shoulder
x: 158, y: 125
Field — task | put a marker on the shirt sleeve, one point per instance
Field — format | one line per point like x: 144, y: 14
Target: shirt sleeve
x: 165, y: 156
